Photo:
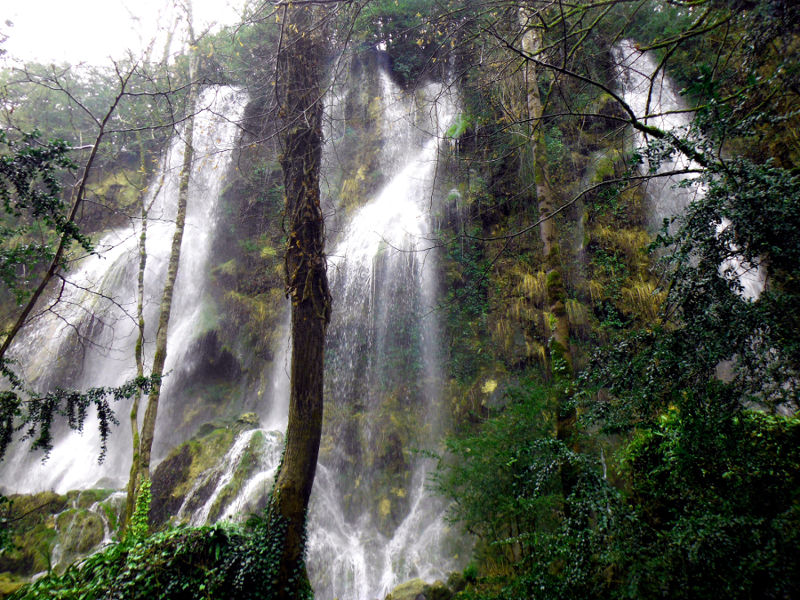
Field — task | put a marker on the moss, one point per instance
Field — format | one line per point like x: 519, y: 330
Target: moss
x: 32, y: 548
x: 193, y: 463
x: 247, y: 465
x: 555, y: 287
x: 34, y: 533
x: 249, y: 418
x: 606, y: 164
x: 10, y: 583
x: 113, y: 508
x: 438, y: 590
x: 87, y: 498
x: 409, y: 590
x: 79, y: 532
x: 35, y: 508
x: 171, y: 473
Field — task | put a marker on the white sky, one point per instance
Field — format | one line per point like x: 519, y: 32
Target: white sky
x: 91, y: 31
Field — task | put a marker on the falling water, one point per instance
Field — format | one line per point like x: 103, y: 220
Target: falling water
x: 88, y: 338
x: 373, y: 524
x: 653, y: 98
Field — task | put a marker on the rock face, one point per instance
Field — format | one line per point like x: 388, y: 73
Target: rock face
x: 203, y: 478
x: 417, y: 589
x: 50, y: 531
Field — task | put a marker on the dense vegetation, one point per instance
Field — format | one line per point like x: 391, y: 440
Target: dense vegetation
x: 657, y: 452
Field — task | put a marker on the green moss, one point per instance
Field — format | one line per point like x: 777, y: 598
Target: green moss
x: 86, y: 498
x: 116, y: 189
x: 409, y: 590
x: 555, y: 287
x: 10, y: 583
x: 605, y: 167
x: 247, y: 465
x: 79, y: 532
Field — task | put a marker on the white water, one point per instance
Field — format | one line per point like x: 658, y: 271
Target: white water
x: 653, y: 98
x: 88, y: 338
x: 384, y: 279
x: 258, y: 470
x: 384, y: 282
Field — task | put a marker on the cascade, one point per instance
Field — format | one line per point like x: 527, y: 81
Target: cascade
x: 372, y: 524
x: 88, y: 338
x: 653, y: 97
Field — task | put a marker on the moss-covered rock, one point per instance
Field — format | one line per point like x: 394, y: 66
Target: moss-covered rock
x: 79, y: 532
x: 410, y: 590
x: 10, y: 583
x: 34, y: 532
x: 247, y: 465
x: 189, y: 475
x: 417, y: 589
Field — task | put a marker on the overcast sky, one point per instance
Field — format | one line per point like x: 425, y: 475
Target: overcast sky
x: 90, y: 31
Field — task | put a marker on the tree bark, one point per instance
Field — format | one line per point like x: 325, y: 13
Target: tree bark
x: 300, y: 101
x: 133, y: 479
x: 556, y: 297
x: 160, y: 357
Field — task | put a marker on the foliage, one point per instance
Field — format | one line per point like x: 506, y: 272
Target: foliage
x: 5, y: 531
x: 714, y: 493
x: 711, y: 509
x: 503, y: 478
x: 34, y: 209
x: 703, y: 502
x: 218, y: 561
x: 412, y: 32
x: 140, y: 519
x: 467, y: 304
x: 35, y: 413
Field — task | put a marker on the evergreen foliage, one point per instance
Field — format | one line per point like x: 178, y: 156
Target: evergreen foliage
x: 33, y: 205
x: 217, y: 561
x: 683, y: 473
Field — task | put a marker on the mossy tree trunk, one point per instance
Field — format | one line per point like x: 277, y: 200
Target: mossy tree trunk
x: 300, y: 101
x: 556, y: 297
x: 140, y: 469
x: 133, y: 479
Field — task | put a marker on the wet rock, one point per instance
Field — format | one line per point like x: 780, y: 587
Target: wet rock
x: 410, y: 590
x: 438, y: 590
x: 417, y: 589
x: 80, y: 532
x: 456, y: 582
x: 33, y: 532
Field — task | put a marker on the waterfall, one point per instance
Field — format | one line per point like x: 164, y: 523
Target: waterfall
x: 653, y: 98
x: 88, y: 338
x: 373, y: 524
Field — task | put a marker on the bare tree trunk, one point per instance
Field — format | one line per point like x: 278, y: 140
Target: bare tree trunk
x: 307, y: 286
x: 142, y: 441
x: 160, y: 357
x: 133, y: 479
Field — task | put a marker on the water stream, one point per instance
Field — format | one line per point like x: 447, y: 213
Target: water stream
x: 373, y: 524
x: 88, y: 338
x: 653, y: 97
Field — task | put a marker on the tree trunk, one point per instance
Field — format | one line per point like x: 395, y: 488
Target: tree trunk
x: 560, y: 354
x: 160, y: 357
x: 133, y: 479
x: 301, y: 106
